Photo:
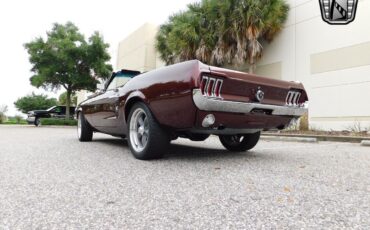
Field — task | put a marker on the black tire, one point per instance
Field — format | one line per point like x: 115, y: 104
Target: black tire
x: 37, y: 122
x: 84, y: 130
x: 146, y: 139
x: 198, y: 136
x: 240, y: 142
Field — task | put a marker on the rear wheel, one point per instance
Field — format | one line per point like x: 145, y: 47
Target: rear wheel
x: 84, y: 130
x: 37, y: 122
x: 240, y: 142
x: 146, y: 138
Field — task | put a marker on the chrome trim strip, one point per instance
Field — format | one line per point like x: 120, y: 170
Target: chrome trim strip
x: 296, y: 100
x: 219, y: 89
x: 205, y: 88
x: 210, y: 92
x: 111, y: 118
x: 219, y: 105
x: 292, y: 98
x: 289, y: 98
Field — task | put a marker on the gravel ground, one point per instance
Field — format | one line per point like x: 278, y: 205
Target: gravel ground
x: 49, y: 180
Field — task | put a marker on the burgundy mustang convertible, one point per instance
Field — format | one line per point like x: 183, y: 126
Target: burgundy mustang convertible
x: 190, y: 100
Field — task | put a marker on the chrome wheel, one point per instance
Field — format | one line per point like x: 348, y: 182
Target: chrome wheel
x: 146, y: 138
x: 139, y: 130
x: 79, y: 126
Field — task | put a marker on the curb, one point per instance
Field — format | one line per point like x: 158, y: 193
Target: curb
x: 365, y: 143
x: 41, y: 126
x: 289, y: 139
x: 56, y: 126
x: 322, y: 138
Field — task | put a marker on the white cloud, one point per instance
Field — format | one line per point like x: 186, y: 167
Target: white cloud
x: 23, y: 20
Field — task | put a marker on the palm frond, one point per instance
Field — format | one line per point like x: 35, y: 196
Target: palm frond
x: 221, y: 32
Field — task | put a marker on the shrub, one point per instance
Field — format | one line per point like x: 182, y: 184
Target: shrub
x: 18, y: 118
x: 14, y: 121
x: 303, y: 123
x: 55, y: 121
x: 357, y: 127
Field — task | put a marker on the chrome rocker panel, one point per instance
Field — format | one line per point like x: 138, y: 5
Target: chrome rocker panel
x: 215, y: 104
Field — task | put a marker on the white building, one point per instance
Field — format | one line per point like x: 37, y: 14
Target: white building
x: 332, y: 61
x: 137, y: 51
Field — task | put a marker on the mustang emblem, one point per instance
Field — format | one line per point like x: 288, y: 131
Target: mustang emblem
x: 260, y: 95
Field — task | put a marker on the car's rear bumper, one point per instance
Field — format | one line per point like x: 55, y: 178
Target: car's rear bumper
x: 217, y: 105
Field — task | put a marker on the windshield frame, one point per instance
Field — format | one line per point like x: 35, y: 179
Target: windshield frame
x: 51, y: 108
x: 121, y: 72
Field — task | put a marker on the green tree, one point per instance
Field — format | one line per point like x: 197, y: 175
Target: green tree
x: 3, y: 110
x: 66, y: 59
x: 221, y: 31
x: 63, y: 99
x: 34, y: 102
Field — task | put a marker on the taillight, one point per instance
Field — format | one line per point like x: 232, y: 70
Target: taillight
x: 211, y: 87
x: 203, y: 84
x: 211, y: 84
x: 218, y: 88
x: 292, y: 98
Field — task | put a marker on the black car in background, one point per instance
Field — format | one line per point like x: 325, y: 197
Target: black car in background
x: 53, y: 112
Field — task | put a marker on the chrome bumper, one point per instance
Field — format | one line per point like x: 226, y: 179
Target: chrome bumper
x: 217, y: 105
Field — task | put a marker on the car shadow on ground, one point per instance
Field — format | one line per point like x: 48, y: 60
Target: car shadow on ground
x: 112, y: 141
x: 180, y: 151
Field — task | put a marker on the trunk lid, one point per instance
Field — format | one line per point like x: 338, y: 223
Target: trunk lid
x: 239, y: 86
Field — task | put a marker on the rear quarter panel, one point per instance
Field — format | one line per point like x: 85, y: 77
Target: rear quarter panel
x: 168, y: 92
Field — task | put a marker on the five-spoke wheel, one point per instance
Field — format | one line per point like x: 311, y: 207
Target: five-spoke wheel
x: 139, y: 130
x: 147, y: 139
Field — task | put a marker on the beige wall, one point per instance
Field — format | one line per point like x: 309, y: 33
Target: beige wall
x: 137, y: 51
x: 332, y: 61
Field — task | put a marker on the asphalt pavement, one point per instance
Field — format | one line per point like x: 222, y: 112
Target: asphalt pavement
x: 49, y: 180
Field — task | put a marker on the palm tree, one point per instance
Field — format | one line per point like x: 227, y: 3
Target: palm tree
x: 261, y: 20
x: 180, y: 39
x: 222, y: 32
x: 166, y: 54
x: 225, y: 47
